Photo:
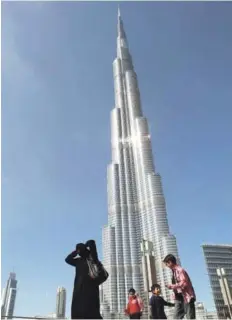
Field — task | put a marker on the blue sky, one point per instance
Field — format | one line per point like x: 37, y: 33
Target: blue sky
x: 57, y: 93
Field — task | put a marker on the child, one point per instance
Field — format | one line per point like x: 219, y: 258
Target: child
x: 182, y: 287
x: 157, y: 303
x: 135, y: 305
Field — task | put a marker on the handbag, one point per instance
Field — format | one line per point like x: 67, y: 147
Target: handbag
x: 97, y: 271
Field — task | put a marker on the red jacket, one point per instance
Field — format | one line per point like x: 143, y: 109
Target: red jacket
x: 135, y: 305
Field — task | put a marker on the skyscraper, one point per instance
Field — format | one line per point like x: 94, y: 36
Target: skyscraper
x: 60, y: 303
x: 9, y: 297
x: 218, y: 256
x: 136, y: 204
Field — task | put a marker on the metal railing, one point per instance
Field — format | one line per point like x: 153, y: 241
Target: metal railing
x: 18, y: 317
x: 38, y: 318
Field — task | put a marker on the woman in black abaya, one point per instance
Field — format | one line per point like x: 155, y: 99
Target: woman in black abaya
x: 85, y: 301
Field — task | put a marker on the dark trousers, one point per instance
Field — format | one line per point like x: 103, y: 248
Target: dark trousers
x: 182, y: 309
x: 135, y: 315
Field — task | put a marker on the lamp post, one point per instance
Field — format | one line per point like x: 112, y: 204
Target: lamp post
x: 225, y: 289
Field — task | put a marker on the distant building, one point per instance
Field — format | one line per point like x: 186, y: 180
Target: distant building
x: 51, y: 316
x: 211, y: 315
x: 60, y: 303
x: 201, y: 312
x: 9, y: 297
x: 218, y: 256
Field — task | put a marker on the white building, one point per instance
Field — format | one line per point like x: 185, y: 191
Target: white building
x: 136, y: 203
x: 201, y: 312
x: 9, y: 297
x: 60, y: 303
x: 51, y: 316
x: 212, y: 315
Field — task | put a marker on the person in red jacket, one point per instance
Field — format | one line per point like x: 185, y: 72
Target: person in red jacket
x: 135, y: 305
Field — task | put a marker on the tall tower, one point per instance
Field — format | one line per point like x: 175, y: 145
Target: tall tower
x: 9, y: 297
x: 60, y: 303
x: 136, y: 204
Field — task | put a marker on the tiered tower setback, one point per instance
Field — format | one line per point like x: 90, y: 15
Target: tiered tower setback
x: 136, y: 203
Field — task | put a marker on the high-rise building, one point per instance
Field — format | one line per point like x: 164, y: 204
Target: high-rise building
x: 136, y: 203
x: 218, y: 256
x: 9, y: 297
x: 60, y: 303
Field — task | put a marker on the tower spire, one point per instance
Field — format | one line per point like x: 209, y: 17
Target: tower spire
x: 121, y: 32
x: 119, y: 14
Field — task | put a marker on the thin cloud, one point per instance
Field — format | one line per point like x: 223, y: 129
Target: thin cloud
x: 5, y: 180
x: 16, y: 72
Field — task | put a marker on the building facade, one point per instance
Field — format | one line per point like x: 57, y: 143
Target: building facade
x: 9, y: 297
x: 211, y: 315
x: 218, y: 256
x: 201, y: 313
x: 51, y: 316
x: 60, y: 303
x: 136, y: 203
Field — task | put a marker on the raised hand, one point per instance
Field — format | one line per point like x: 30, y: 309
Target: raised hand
x: 74, y: 253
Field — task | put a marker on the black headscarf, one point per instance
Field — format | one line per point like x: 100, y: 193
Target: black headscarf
x: 82, y: 250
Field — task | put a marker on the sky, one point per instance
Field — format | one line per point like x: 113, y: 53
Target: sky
x: 57, y: 94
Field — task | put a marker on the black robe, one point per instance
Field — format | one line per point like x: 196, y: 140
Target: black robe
x: 85, y: 300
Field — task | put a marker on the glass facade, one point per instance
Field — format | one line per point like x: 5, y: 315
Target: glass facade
x: 218, y: 256
x: 136, y: 204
